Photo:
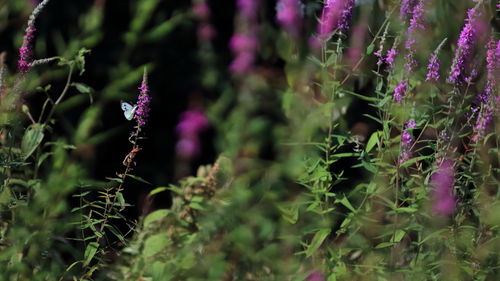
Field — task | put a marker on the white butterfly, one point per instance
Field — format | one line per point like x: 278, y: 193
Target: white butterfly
x: 128, y: 110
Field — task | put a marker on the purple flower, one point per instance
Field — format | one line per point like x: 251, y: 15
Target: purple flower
x: 467, y: 40
x: 143, y: 101
x: 487, y: 100
x: 244, y: 43
x: 316, y: 276
x: 26, y: 50
x: 391, y: 58
x: 400, y: 90
x: 192, y: 123
x: 406, y: 141
x: 201, y: 11
x: 406, y: 9
x: 248, y: 8
x: 433, y: 68
x: 442, y: 189
x: 416, y: 22
x: 289, y: 15
x: 336, y: 14
x: 244, y: 47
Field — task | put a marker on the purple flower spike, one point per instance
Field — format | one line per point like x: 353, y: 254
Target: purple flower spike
x: 192, y: 123
x: 26, y: 50
x: 406, y: 141
x: 416, y: 23
x: 400, y: 90
x: 487, y: 99
x: 143, y: 101
x: 442, y: 189
x: 466, y: 41
x: 391, y: 58
x: 289, y: 15
x: 433, y: 68
x: 406, y: 9
x: 248, y: 8
x: 336, y: 14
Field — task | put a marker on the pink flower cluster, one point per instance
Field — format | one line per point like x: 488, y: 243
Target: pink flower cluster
x: 406, y: 141
x: 466, y: 42
x: 433, y: 68
x: 143, y: 101
x: 336, y: 16
x: 26, y: 51
x: 245, y: 44
x: 192, y: 123
x: 442, y: 189
x: 487, y: 99
x: 289, y: 16
x: 400, y: 90
x: 206, y: 31
x: 416, y: 22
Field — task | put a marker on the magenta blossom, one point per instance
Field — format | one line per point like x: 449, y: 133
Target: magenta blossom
x: 466, y: 42
x: 244, y: 46
x: 192, y: 123
x: 26, y: 50
x: 391, y: 58
x: 416, y: 23
x: 248, y: 8
x: 442, y: 182
x: 487, y: 99
x: 400, y: 90
x: 406, y: 141
x: 336, y: 14
x: 143, y: 101
x: 316, y: 276
x: 433, y: 68
x: 289, y: 15
x: 406, y: 9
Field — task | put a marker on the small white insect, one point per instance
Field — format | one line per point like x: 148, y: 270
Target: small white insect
x: 128, y: 110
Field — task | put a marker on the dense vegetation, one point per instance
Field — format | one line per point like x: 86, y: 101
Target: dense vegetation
x: 307, y: 140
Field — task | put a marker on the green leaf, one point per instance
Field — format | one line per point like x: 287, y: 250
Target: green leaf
x: 344, y: 201
x: 31, y: 140
x: 90, y: 252
x: 374, y: 140
x: 155, y: 244
x: 398, y: 235
x: 121, y: 200
x: 370, y: 49
x: 82, y: 88
x: 317, y: 240
x: 157, y: 190
x: 138, y: 179
x: 384, y: 245
x: 155, y: 216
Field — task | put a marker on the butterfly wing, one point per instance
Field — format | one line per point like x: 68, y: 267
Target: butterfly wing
x: 128, y: 110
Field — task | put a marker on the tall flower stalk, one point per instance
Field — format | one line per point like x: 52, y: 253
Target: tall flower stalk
x: 488, y: 98
x: 433, y: 66
x: 466, y: 42
x: 407, y: 141
x: 244, y: 44
x: 442, y: 181
x: 416, y: 23
x: 336, y: 16
x: 26, y: 50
